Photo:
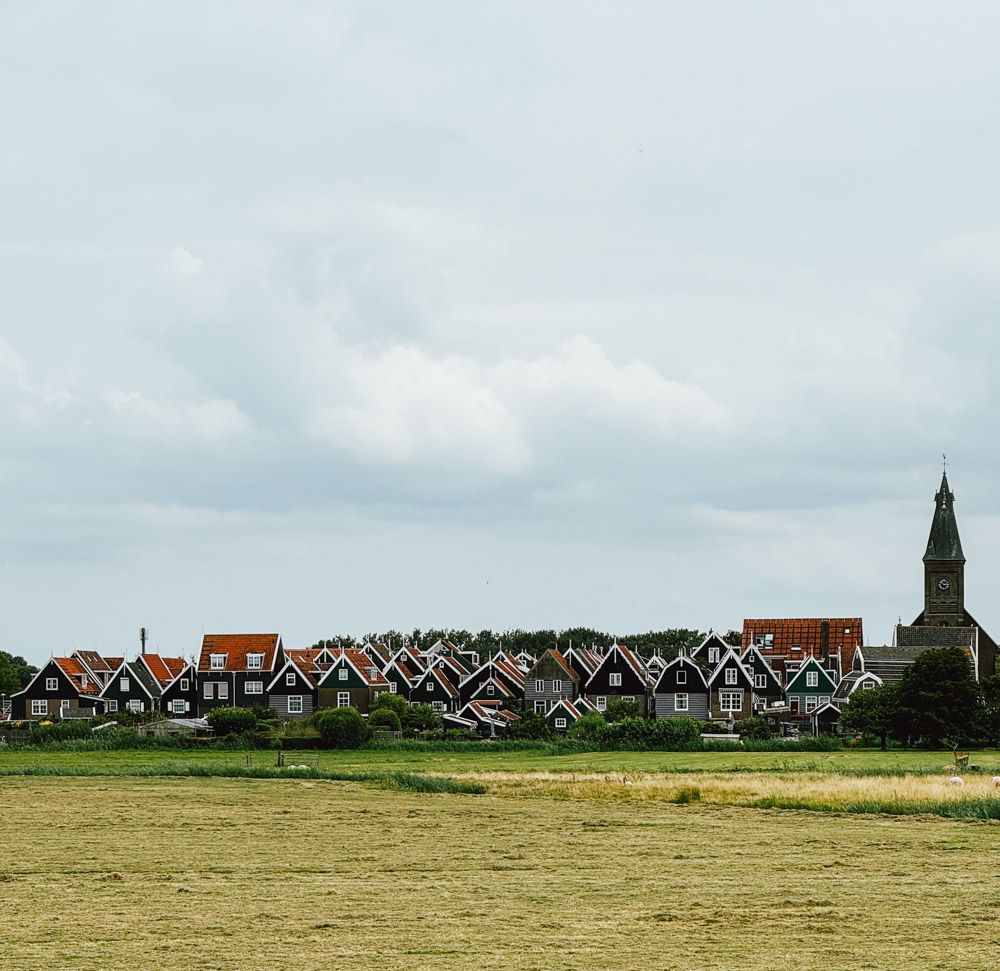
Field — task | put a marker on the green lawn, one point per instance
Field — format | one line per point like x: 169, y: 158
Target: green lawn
x: 482, y: 759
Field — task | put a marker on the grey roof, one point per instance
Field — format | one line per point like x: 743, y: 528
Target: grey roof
x: 196, y: 723
x: 902, y: 653
x: 927, y: 637
x: 944, y: 542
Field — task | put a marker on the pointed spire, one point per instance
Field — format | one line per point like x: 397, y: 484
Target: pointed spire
x: 944, y: 542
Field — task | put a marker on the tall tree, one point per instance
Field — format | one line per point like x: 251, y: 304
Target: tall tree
x: 873, y: 712
x: 938, y: 698
x: 15, y: 673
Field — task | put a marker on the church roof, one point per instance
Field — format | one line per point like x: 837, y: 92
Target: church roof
x: 927, y: 637
x: 944, y: 542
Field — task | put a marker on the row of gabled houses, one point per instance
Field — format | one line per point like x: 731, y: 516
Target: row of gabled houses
x: 716, y: 681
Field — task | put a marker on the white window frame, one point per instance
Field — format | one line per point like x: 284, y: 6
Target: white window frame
x: 64, y: 704
x: 290, y: 679
x: 560, y: 723
x: 392, y: 688
x: 732, y: 676
x: 760, y: 680
x: 51, y: 684
x: 682, y: 701
x: 112, y: 704
x: 812, y: 679
x: 39, y: 706
x: 430, y: 684
x: 217, y: 662
x: 682, y: 677
x: 343, y: 674
x: 208, y: 690
x: 539, y: 686
x: 438, y: 706
x: 724, y: 694
x: 136, y: 705
x: 601, y: 703
x: 557, y: 687
x: 713, y: 655
x: 124, y: 685
x: 178, y: 706
x: 812, y: 703
x: 295, y: 704
x: 615, y: 679
x: 539, y: 707
x: 255, y: 662
x: 343, y: 699
x: 254, y: 688
x: 185, y: 684
x: 223, y: 691
x: 491, y: 689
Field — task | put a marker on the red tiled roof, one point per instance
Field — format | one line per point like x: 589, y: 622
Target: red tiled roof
x: 114, y: 663
x: 75, y: 671
x: 94, y: 661
x: 236, y: 647
x: 809, y: 634
x: 164, y: 669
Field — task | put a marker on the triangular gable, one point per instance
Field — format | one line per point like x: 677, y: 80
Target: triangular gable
x: 123, y: 668
x: 620, y: 651
x: 279, y: 678
x: 730, y: 660
x: 758, y: 665
x: 681, y: 662
x: 798, y: 680
x: 712, y: 640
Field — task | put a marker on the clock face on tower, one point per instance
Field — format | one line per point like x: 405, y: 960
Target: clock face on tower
x: 944, y: 584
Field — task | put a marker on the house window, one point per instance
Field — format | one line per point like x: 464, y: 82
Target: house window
x: 438, y: 706
x: 255, y: 662
x: 185, y: 684
x: 713, y: 655
x: 680, y: 702
x: 124, y: 685
x: 51, y: 684
x: 343, y: 699
x: 135, y: 705
x: 811, y: 702
x: 342, y: 674
x: 812, y: 679
x: 760, y: 680
x: 64, y: 704
x: 179, y: 706
x: 430, y: 685
x: 731, y: 674
x: 255, y: 687
x: 865, y: 685
x: 112, y: 704
x: 682, y: 677
x: 731, y: 700
x: 40, y: 707
x: 392, y: 688
x: 208, y: 690
x: 218, y: 662
x: 539, y: 686
x: 847, y: 630
x: 539, y: 707
x: 629, y: 699
x: 796, y: 647
x: 295, y: 704
x: 560, y: 723
x: 615, y: 680
x: 557, y: 687
x: 491, y: 689
x: 223, y: 692
x: 601, y: 703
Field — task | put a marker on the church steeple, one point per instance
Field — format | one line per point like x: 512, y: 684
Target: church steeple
x: 944, y: 542
x: 944, y: 565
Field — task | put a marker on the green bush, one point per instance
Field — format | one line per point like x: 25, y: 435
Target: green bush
x: 396, y: 703
x: 754, y: 728
x: 342, y: 727
x: 713, y: 728
x: 385, y: 719
x: 232, y: 721
x: 530, y: 726
x: 422, y: 718
x: 588, y: 727
x: 60, y: 732
x: 619, y: 710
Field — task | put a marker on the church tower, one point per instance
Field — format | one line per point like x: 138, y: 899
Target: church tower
x: 944, y: 565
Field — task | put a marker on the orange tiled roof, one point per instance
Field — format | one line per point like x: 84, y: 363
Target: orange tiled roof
x: 94, y: 661
x: 75, y: 671
x: 164, y: 669
x: 808, y: 634
x: 236, y: 647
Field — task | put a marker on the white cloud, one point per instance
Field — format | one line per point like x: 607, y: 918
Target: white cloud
x: 212, y: 421
x: 183, y: 262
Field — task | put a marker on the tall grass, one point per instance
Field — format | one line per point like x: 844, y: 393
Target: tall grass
x: 976, y: 807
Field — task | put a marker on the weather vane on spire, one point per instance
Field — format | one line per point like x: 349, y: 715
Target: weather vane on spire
x: 944, y: 461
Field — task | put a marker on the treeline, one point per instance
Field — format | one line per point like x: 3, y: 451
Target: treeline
x: 487, y: 642
x: 15, y: 673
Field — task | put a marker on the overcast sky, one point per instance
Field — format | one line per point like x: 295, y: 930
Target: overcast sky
x: 336, y: 317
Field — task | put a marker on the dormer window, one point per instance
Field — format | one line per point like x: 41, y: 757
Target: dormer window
x: 254, y: 662
x: 713, y: 655
x: 217, y: 662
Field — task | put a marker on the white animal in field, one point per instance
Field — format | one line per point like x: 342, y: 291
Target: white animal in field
x: 996, y: 780
x: 956, y: 780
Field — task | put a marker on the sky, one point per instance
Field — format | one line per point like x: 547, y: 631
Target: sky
x: 342, y: 317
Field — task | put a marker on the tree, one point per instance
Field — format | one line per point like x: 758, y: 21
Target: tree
x: 938, y: 698
x: 754, y: 729
x: 396, y: 703
x: 588, y: 726
x: 385, y: 719
x: 15, y: 673
x: 530, y: 726
x: 422, y: 718
x: 873, y: 711
x: 341, y: 727
x: 232, y: 721
x: 989, y: 726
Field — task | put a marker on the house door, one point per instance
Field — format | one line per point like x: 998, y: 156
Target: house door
x: 795, y: 706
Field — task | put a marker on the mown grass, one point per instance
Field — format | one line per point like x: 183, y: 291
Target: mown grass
x: 218, y: 873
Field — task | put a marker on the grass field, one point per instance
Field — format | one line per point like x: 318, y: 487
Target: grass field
x: 125, y: 873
